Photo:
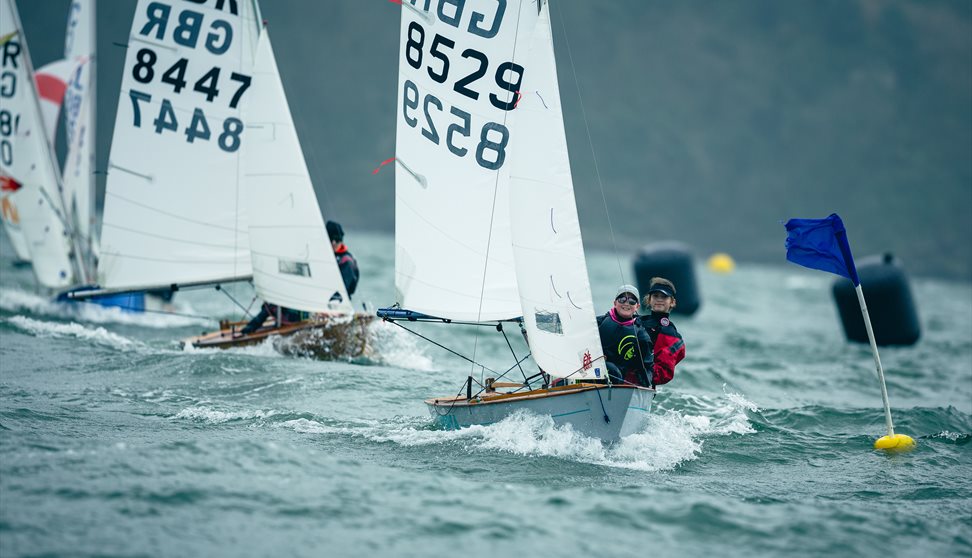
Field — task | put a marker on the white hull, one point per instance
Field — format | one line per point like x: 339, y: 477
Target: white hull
x: 582, y: 406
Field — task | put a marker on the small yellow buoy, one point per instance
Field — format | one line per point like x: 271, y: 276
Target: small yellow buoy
x: 721, y: 263
x: 897, y: 442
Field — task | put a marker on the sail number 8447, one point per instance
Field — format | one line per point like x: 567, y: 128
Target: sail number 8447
x: 487, y: 142
x: 144, y: 71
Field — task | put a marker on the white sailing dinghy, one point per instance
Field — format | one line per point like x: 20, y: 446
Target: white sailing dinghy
x: 486, y: 225
x: 202, y: 191
x: 32, y: 202
x: 292, y: 259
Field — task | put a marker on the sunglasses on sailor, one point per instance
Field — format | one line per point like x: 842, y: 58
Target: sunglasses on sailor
x: 626, y: 299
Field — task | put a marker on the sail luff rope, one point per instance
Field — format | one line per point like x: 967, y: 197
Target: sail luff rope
x: 590, y: 142
x: 239, y: 162
x: 492, y: 212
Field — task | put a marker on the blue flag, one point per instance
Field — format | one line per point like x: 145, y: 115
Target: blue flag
x: 821, y: 244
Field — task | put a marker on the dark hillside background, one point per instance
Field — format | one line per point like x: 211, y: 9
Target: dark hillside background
x: 710, y: 121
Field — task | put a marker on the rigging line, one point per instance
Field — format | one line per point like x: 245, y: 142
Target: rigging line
x: 295, y: 109
x: 239, y: 163
x: 246, y: 310
x: 590, y: 141
x: 464, y: 357
x: 457, y: 397
x: 482, y: 388
x: 607, y: 419
x: 510, y: 345
x: 492, y: 211
x: 508, y: 370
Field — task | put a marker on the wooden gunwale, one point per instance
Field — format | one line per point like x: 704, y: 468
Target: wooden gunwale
x: 533, y: 394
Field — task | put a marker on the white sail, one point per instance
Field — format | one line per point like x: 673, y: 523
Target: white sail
x: 174, y: 206
x: 78, y: 174
x: 10, y: 216
x: 52, y: 82
x: 26, y: 159
x: 551, y: 271
x: 80, y: 108
x: 293, y: 263
x: 453, y: 255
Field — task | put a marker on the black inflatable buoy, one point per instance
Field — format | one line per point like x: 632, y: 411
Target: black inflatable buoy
x: 889, y: 303
x: 673, y: 261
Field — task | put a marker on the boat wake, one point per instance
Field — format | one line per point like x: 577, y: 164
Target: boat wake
x: 392, y: 346
x: 265, y: 349
x: 97, y: 336
x: 16, y: 301
x: 671, y: 437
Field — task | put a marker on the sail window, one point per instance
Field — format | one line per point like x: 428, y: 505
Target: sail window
x: 549, y: 322
x: 294, y: 268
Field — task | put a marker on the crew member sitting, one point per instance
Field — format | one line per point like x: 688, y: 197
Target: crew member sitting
x: 669, y: 349
x: 626, y: 346
x: 346, y: 262
x: 286, y: 316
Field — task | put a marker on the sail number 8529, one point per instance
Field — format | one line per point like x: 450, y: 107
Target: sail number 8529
x: 494, y: 142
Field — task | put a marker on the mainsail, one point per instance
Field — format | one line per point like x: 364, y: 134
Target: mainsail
x: 31, y: 187
x: 486, y: 221
x: 453, y: 254
x: 293, y: 263
x: 175, y: 211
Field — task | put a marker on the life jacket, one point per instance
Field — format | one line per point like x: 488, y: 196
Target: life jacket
x: 626, y: 346
x: 669, y: 348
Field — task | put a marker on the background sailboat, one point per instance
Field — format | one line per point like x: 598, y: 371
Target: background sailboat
x: 201, y: 191
x: 293, y: 262
x: 494, y: 192
x: 69, y: 83
x: 32, y: 200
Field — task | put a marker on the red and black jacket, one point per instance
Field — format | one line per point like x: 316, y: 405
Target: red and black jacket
x: 349, y: 268
x: 668, y: 345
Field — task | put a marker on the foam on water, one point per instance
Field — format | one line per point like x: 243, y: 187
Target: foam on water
x: 263, y: 349
x: 16, y: 300
x: 398, y: 348
x: 215, y: 416
x: 99, y: 335
x: 669, y: 439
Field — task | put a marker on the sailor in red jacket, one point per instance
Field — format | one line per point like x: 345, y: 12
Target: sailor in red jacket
x: 669, y: 348
x: 347, y: 265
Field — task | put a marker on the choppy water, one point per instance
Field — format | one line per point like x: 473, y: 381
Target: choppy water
x: 116, y: 442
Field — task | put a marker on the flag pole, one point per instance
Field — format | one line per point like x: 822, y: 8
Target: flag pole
x: 877, y: 359
x: 822, y: 244
x: 892, y: 441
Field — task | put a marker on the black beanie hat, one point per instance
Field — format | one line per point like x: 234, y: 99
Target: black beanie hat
x: 334, y: 231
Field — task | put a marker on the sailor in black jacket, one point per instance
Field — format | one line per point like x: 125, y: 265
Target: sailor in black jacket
x: 626, y: 345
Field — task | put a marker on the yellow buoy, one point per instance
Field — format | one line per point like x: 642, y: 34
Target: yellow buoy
x: 896, y: 442
x: 721, y: 263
